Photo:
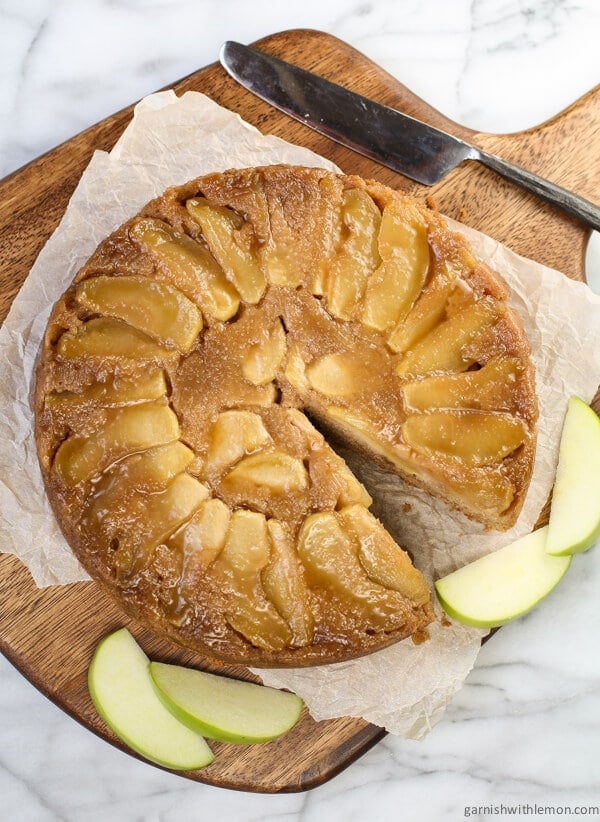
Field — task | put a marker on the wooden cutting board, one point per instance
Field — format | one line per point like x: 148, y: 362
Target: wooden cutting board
x: 50, y: 634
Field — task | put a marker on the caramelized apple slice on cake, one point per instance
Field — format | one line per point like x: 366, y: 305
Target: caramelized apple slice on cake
x: 224, y: 233
x: 188, y: 266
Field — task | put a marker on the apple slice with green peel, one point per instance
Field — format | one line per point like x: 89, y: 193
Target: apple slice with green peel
x: 225, y: 709
x: 124, y: 695
x: 504, y: 585
x: 574, y: 523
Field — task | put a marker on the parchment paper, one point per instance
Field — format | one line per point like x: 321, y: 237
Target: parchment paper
x: 405, y: 688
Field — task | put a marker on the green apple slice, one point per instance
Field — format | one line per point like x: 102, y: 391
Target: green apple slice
x: 124, y: 696
x: 504, y: 585
x: 225, y: 709
x: 574, y: 523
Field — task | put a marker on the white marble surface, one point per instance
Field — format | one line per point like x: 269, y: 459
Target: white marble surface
x: 525, y: 730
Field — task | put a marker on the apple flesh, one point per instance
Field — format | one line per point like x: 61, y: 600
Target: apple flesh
x: 124, y: 696
x: 574, y: 523
x: 225, y: 709
x: 504, y: 585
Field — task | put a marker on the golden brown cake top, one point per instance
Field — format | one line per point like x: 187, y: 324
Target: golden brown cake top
x: 172, y: 395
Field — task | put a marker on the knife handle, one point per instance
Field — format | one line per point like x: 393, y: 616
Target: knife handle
x: 572, y: 204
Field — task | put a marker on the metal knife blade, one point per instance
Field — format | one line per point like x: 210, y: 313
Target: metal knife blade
x: 415, y: 149
x: 404, y: 144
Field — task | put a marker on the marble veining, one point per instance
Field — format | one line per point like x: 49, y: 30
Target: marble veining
x: 525, y: 729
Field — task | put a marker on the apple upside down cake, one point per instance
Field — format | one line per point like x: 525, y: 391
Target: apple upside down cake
x: 183, y: 374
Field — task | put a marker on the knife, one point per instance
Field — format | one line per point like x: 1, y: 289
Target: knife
x: 416, y: 150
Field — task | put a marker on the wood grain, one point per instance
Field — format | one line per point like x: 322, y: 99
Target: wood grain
x: 50, y: 634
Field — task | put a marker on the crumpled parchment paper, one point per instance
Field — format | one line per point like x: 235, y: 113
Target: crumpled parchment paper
x: 404, y: 688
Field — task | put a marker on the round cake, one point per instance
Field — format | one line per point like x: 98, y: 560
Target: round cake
x: 192, y: 373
